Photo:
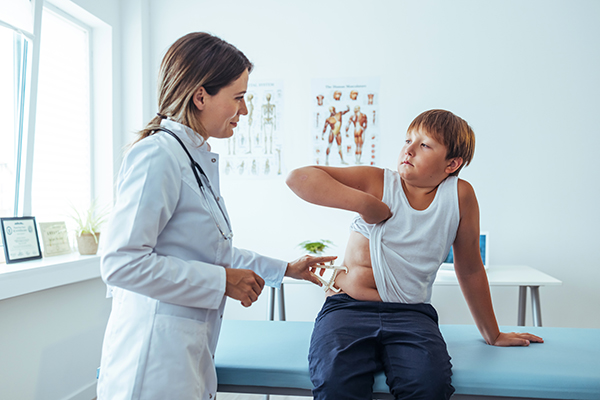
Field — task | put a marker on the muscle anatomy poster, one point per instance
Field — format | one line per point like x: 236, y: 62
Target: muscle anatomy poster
x: 345, y: 126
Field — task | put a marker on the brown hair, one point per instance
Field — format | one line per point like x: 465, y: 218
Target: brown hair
x: 195, y: 60
x: 450, y: 130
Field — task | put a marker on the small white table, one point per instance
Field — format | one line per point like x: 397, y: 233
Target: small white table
x: 512, y: 275
x: 500, y: 275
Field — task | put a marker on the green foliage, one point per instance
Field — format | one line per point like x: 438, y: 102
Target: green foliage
x: 90, y: 220
x: 316, y: 247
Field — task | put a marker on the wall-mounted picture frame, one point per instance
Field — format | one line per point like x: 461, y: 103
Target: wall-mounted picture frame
x: 55, y: 238
x: 20, y: 237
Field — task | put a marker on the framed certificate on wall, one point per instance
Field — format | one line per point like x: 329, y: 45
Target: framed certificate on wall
x: 20, y: 237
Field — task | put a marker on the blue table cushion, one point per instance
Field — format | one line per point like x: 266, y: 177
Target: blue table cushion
x: 567, y: 366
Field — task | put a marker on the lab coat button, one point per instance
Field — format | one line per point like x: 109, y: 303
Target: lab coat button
x: 214, y: 160
x: 210, y: 395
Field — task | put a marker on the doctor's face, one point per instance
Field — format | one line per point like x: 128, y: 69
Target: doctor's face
x: 220, y: 113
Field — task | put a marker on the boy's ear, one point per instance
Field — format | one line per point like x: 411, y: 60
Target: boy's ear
x: 199, y: 98
x: 453, y: 165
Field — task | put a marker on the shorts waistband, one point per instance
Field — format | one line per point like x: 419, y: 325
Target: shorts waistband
x: 343, y: 300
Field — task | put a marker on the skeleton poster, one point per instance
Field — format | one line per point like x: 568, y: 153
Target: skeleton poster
x: 254, y: 150
x: 345, y: 126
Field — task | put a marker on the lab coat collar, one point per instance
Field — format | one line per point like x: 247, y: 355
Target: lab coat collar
x: 186, y: 134
x: 199, y: 148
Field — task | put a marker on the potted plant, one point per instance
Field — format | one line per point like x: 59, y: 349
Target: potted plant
x: 87, y: 228
x: 316, y: 247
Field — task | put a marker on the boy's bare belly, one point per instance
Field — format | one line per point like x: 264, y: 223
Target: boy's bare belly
x: 359, y: 282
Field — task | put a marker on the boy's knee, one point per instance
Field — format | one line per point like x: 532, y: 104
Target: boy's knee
x: 327, y: 389
x: 440, y: 388
x: 426, y: 384
x: 342, y: 388
x: 323, y: 375
x: 335, y: 380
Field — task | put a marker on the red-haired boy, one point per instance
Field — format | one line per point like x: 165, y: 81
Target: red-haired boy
x: 408, y: 220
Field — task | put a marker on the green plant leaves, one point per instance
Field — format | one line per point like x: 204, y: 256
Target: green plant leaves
x: 316, y: 247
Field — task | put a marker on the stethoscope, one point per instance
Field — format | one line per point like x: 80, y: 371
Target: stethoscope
x: 223, y: 226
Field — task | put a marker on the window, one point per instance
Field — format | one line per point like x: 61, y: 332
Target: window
x: 49, y: 160
x: 57, y: 156
x: 62, y: 152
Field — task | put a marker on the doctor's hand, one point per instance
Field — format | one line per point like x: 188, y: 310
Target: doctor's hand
x: 302, y: 268
x: 243, y: 285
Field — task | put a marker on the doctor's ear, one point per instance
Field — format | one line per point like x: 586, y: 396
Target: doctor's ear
x: 199, y: 98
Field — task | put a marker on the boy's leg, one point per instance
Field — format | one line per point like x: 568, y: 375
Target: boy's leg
x: 415, y: 358
x: 343, y: 351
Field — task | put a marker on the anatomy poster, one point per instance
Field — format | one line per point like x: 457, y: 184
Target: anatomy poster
x: 345, y: 126
x: 254, y: 150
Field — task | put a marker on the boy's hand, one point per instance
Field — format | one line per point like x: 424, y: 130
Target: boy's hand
x: 516, y: 339
x: 301, y: 268
x: 376, y: 213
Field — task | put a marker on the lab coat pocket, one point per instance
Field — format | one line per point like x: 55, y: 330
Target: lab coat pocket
x: 179, y: 364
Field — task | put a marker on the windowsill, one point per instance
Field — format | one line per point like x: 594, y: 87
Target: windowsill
x: 32, y: 276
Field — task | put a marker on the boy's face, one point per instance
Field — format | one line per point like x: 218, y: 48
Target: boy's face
x: 423, y: 162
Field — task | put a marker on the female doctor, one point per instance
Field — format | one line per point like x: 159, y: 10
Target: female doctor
x: 168, y: 258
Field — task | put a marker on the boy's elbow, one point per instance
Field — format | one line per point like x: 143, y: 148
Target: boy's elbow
x: 289, y: 179
x: 295, y: 178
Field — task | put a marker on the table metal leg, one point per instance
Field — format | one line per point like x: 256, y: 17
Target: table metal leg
x: 271, y: 312
x: 281, y: 304
x: 271, y: 306
x: 536, y: 308
x: 273, y: 294
x: 522, y: 305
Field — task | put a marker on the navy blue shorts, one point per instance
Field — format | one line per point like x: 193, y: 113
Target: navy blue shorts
x: 353, y: 339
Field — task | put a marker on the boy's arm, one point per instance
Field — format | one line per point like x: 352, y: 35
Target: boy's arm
x: 472, y: 276
x: 357, y: 189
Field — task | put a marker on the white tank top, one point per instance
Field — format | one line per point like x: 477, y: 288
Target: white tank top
x: 408, y: 249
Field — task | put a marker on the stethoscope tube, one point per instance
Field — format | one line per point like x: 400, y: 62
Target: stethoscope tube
x: 195, y: 169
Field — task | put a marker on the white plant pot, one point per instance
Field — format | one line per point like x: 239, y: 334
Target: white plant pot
x: 87, y: 244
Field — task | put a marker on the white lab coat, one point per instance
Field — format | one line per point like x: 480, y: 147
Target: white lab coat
x: 164, y: 262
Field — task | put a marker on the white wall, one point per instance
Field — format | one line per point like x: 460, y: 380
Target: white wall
x: 524, y: 74
x: 50, y: 342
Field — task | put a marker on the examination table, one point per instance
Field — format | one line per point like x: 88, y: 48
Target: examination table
x: 270, y: 357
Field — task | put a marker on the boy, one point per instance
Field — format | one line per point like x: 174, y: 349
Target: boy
x: 408, y: 220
